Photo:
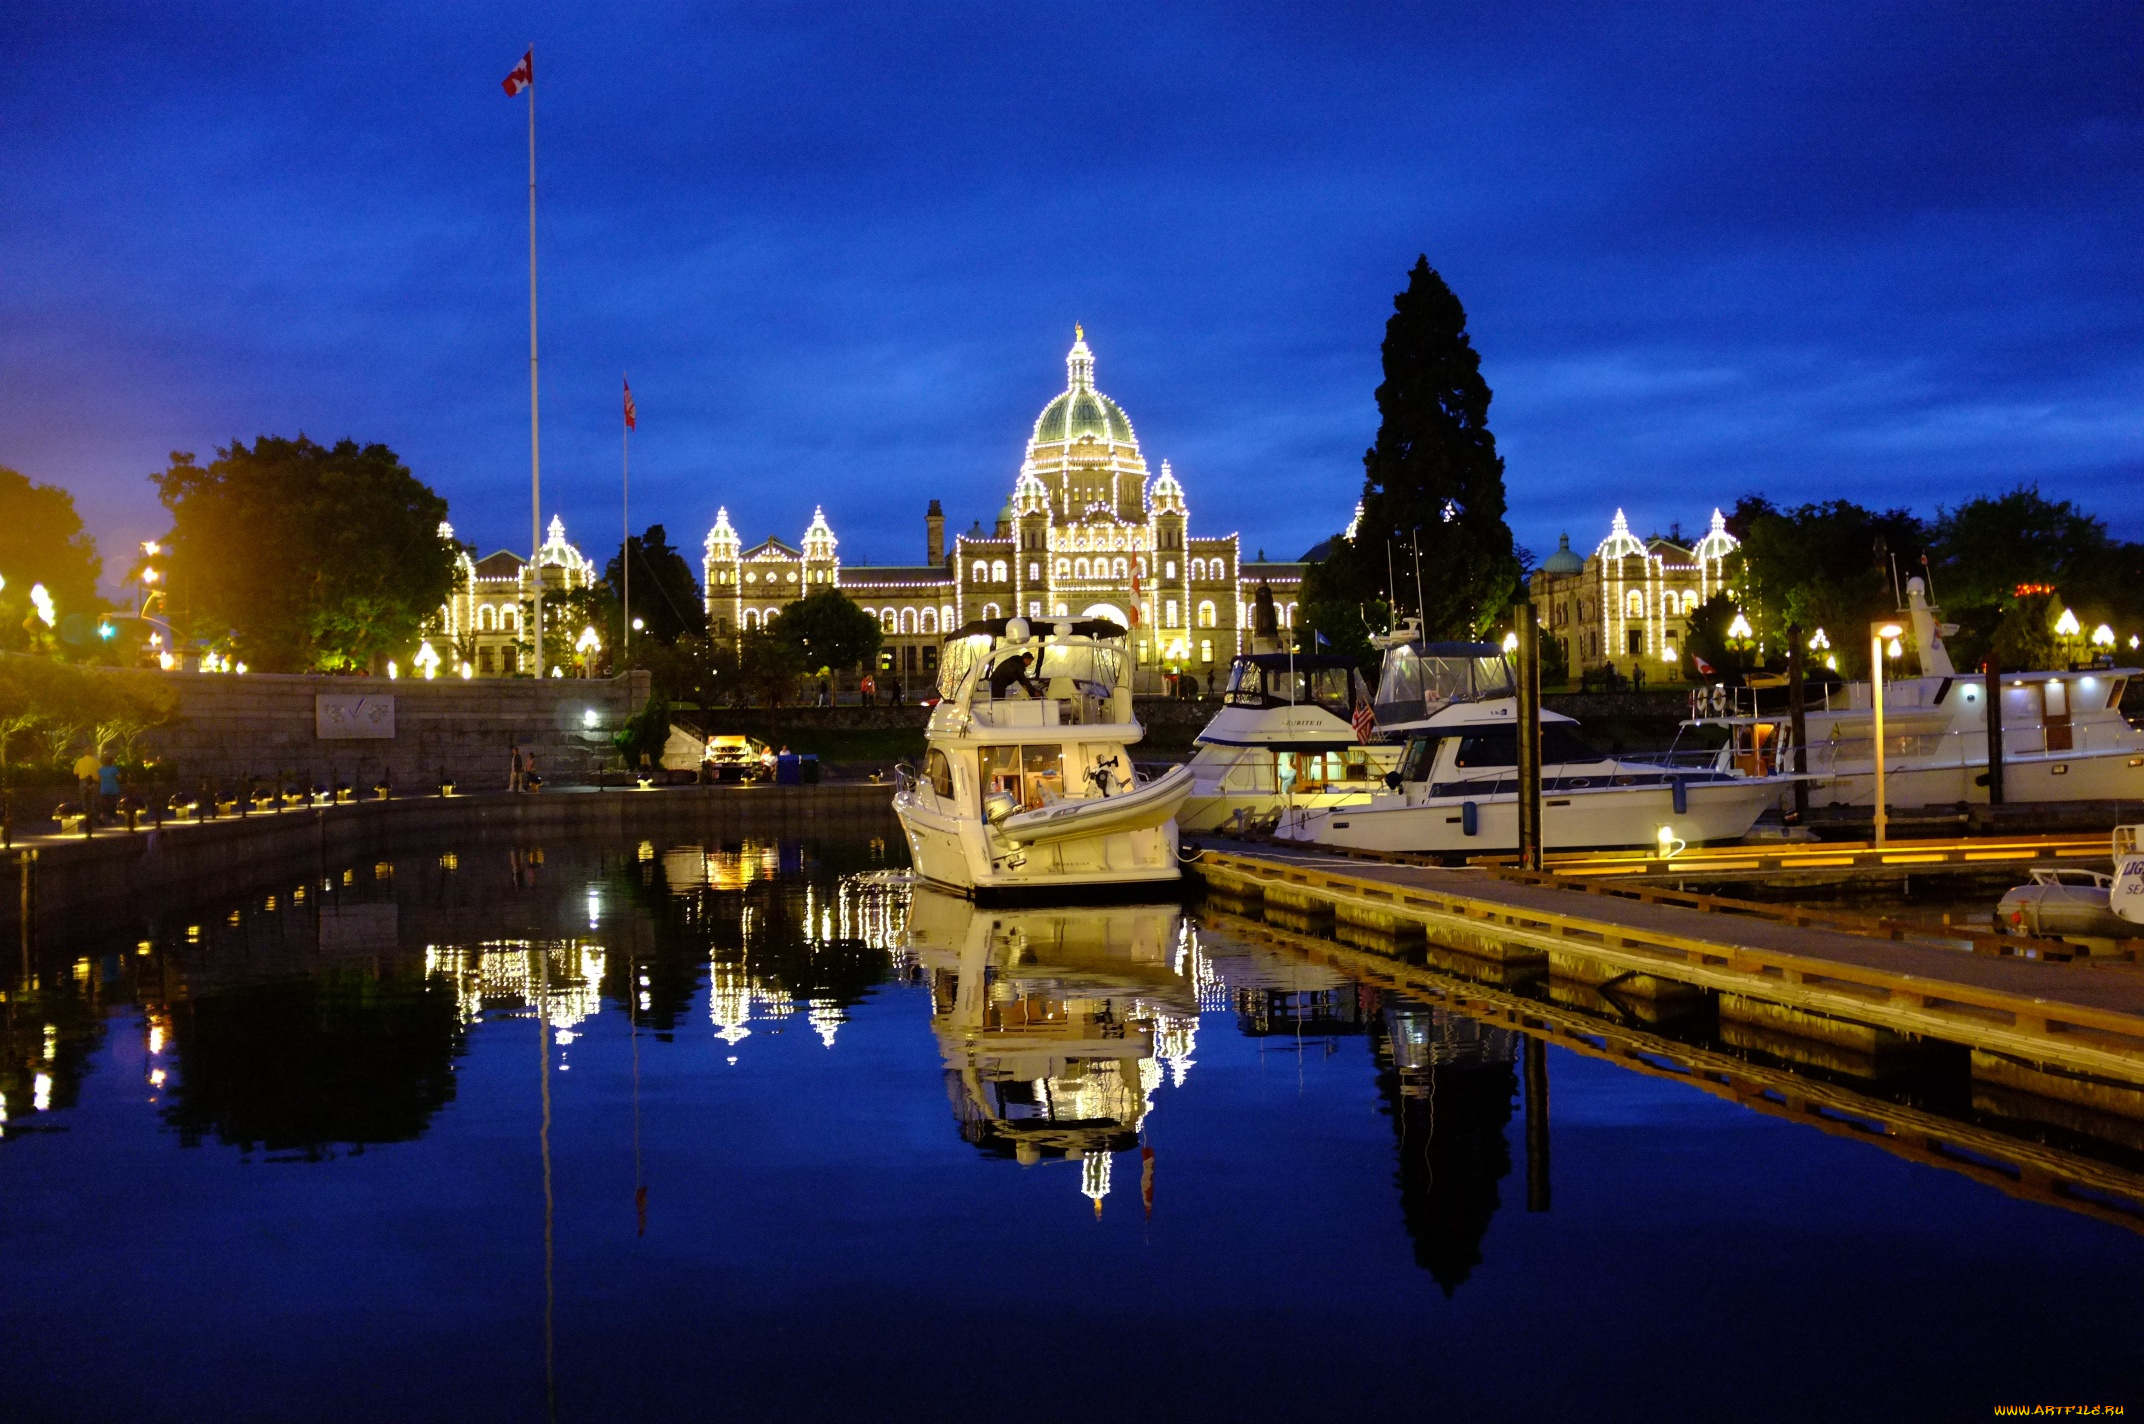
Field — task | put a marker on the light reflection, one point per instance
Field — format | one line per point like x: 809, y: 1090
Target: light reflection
x: 562, y: 980
x: 41, y: 1093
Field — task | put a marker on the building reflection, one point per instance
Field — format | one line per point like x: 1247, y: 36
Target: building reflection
x: 1056, y: 1026
x: 1449, y: 1084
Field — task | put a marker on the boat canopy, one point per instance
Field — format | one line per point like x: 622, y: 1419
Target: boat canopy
x: 1088, y: 652
x: 1278, y: 680
x: 1418, y: 678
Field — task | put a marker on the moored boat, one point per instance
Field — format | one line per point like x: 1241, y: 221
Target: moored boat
x: 1027, y: 786
x: 1456, y: 788
x: 1286, y: 734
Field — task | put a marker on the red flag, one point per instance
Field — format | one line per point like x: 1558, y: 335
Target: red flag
x: 1146, y: 1178
x: 632, y: 412
x: 1135, y: 601
x: 1702, y: 666
x: 523, y: 76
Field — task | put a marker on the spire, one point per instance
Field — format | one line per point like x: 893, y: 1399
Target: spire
x: 1079, y: 362
x: 819, y: 540
x: 556, y: 534
x: 1168, y: 494
x: 722, y: 539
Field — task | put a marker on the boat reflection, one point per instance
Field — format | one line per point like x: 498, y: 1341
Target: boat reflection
x: 1057, y: 1025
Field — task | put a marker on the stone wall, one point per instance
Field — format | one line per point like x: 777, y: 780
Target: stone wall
x: 262, y: 724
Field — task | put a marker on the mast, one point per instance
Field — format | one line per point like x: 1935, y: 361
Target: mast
x: 535, y: 441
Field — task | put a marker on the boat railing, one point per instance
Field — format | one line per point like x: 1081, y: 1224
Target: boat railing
x: 1961, y: 747
x: 905, y: 778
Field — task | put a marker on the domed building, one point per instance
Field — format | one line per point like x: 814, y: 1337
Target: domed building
x: 1628, y: 603
x: 1087, y: 531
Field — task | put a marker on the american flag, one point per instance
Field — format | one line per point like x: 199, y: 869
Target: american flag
x: 1365, y: 720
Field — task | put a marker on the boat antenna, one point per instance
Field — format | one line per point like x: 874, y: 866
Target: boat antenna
x: 1928, y: 576
x: 1896, y: 592
x: 1392, y: 588
x: 1421, y: 608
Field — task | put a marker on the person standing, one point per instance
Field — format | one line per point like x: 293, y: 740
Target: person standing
x: 85, y: 778
x: 108, y: 788
x: 514, y: 765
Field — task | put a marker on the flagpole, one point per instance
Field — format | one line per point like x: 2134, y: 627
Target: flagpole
x: 625, y: 546
x: 535, y: 442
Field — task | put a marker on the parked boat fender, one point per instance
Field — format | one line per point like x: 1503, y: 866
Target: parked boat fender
x: 1470, y: 818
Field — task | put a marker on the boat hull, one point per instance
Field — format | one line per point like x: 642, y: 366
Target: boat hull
x: 1602, y: 818
x: 2112, y: 775
x: 965, y: 855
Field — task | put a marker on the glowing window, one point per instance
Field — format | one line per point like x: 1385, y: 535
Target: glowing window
x: 982, y: 571
x: 929, y: 620
x: 997, y: 570
x: 1634, y: 604
x: 1079, y: 568
x: 1207, y: 616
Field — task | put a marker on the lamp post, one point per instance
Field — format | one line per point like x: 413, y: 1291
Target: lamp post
x: 1879, y: 634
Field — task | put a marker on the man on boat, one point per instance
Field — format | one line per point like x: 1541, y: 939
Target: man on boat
x: 1014, y: 670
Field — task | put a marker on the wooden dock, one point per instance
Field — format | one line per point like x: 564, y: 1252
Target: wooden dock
x: 1811, y: 863
x: 2031, y: 1170
x: 2079, y: 1017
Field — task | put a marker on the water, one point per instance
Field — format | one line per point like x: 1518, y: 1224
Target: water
x: 788, y: 1139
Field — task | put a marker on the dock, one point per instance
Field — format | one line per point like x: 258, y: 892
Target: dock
x: 1812, y: 864
x: 1912, y: 983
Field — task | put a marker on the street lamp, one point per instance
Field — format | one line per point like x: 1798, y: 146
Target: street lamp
x: 427, y: 659
x: 1880, y: 633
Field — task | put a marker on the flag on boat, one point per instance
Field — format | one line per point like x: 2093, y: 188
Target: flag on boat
x: 1702, y: 666
x: 523, y: 76
x: 1146, y: 1178
x: 1365, y: 719
x: 632, y: 412
x: 1319, y: 642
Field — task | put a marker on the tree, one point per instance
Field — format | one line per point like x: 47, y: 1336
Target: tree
x: 42, y: 542
x: 769, y: 666
x: 1433, y: 478
x: 304, y: 556
x: 1993, y: 557
x: 1826, y: 566
x: 666, y: 595
x: 828, y: 631
x: 1346, y: 628
x: 694, y: 671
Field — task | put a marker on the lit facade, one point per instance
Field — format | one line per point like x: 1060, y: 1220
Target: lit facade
x: 483, y: 621
x: 1087, y: 532
x: 1628, y: 603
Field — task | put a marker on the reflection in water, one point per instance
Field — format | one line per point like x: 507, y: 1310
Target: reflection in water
x: 1057, y: 1025
x: 1448, y: 1083
x: 345, y: 1057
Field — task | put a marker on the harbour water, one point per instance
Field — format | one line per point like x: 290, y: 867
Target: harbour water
x: 595, y: 1131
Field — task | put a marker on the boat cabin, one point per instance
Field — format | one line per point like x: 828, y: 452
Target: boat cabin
x: 1420, y: 678
x: 1268, y: 680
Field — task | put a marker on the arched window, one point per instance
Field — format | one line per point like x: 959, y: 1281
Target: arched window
x: 1122, y: 569
x: 751, y: 618
x: 1634, y: 604
x: 1064, y: 568
x: 948, y: 618
x: 890, y: 619
x: 1689, y: 601
x: 1034, y: 572
x: 1287, y: 616
x: 1140, y: 564
x: 487, y: 618
x: 1062, y: 612
x: 997, y: 571
x: 982, y: 571
x: 990, y: 610
x: 1198, y: 568
x: 1079, y: 568
x: 1207, y: 615
x: 929, y: 620
x: 908, y: 620
x: 510, y: 619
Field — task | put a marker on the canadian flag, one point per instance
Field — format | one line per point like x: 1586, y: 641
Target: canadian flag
x: 1702, y: 666
x: 1135, y: 601
x: 632, y: 412
x: 523, y: 76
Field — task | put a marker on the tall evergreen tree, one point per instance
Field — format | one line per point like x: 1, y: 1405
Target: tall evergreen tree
x: 1432, y: 478
x: 666, y: 593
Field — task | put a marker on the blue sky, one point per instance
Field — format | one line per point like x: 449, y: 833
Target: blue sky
x: 1887, y: 253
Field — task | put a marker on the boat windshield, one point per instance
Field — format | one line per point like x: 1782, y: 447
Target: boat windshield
x: 954, y: 660
x: 1075, y: 668
x: 1418, y: 678
x: 1275, y: 680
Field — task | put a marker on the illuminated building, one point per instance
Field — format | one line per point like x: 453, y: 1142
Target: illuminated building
x: 1629, y: 602
x: 1088, y: 531
x: 483, y: 618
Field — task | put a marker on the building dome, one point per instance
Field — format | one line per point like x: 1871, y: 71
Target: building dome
x: 1168, y: 494
x: 1563, y: 561
x: 1082, y: 411
x: 1620, y: 543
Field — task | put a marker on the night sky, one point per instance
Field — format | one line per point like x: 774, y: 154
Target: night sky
x: 1889, y: 253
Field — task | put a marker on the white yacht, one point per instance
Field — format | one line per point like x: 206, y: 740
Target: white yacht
x: 1456, y: 789
x: 1285, y: 735
x: 1027, y: 787
x: 2064, y: 737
